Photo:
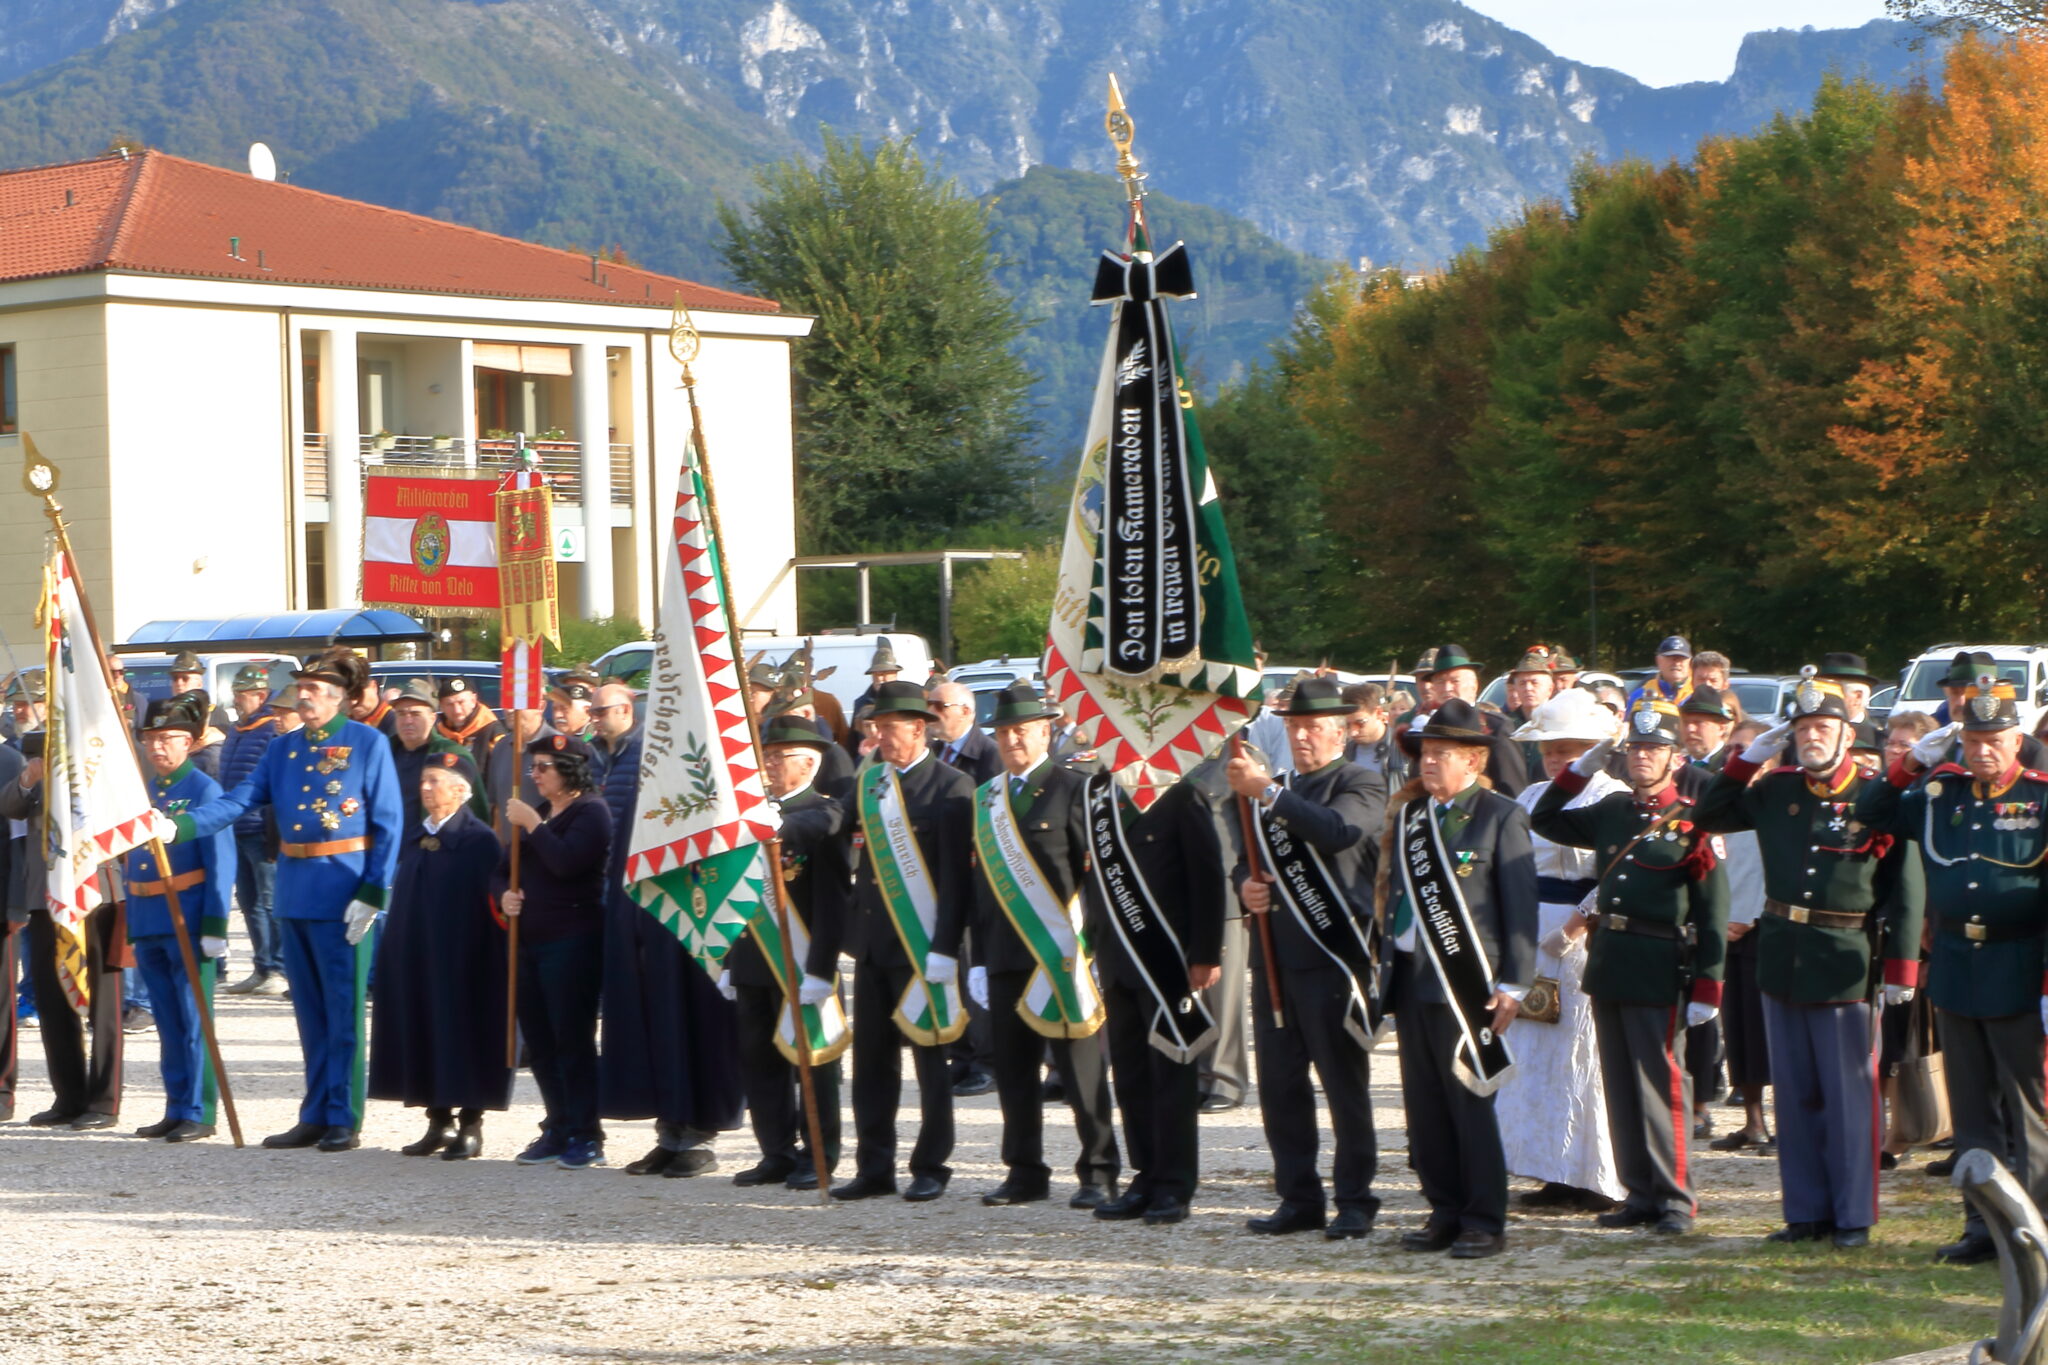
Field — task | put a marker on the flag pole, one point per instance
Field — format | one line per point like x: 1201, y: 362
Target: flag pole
x: 512, y: 920
x: 684, y: 343
x: 40, y: 478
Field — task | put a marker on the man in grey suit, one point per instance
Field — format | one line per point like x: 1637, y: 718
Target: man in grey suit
x: 1453, y: 1138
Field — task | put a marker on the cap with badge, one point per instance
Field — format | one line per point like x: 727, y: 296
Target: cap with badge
x: 417, y: 692
x: 1990, y: 705
x: 454, y: 685
x: 458, y: 761
x: 547, y: 746
x: 187, y: 662
x: 573, y: 687
x: 186, y: 711
x: 1535, y: 659
x: 26, y: 687
x: 1816, y: 697
x: 1653, y: 722
x: 252, y: 678
x: 1675, y: 645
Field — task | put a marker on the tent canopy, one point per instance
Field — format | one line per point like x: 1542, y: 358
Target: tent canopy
x: 287, y: 632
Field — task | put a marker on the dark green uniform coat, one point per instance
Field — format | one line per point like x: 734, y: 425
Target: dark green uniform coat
x: 1672, y: 877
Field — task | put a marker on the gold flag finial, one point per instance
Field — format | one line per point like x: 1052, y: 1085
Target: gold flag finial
x: 1122, y: 131
x: 38, y: 475
x: 683, y: 339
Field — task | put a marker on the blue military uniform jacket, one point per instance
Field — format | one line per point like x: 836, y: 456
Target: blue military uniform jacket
x: 339, y: 815
x: 1982, y: 849
x: 202, y: 870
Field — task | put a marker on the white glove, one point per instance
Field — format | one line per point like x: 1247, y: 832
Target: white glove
x: 211, y: 947
x: 977, y: 985
x: 1594, y: 759
x: 939, y: 969
x: 1419, y: 719
x: 1897, y: 995
x: 1929, y: 748
x: 1768, y: 745
x: 726, y: 988
x: 359, y: 916
x: 1697, y: 1013
x: 1557, y: 943
x: 813, y: 990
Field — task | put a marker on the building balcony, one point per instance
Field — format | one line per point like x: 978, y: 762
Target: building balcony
x: 560, y: 463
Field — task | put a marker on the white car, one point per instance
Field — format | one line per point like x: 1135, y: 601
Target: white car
x: 2024, y: 666
x: 846, y: 655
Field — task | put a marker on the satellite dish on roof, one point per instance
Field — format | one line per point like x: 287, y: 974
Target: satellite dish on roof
x: 262, y: 163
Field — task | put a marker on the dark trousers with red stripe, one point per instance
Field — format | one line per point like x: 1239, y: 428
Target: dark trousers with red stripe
x: 1649, y: 1104
x: 1824, y: 1069
x: 1994, y: 1069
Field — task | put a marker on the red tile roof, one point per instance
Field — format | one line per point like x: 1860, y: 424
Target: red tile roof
x: 152, y: 213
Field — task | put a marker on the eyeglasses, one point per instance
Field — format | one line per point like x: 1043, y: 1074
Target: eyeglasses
x: 953, y: 705
x: 541, y: 765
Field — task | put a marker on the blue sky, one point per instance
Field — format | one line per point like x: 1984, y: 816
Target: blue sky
x: 1666, y: 42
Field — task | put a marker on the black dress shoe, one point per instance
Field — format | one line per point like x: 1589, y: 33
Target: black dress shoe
x: 338, y: 1139
x: 1554, y: 1194
x: 157, y: 1129
x: 298, y: 1135
x: 1219, y: 1104
x: 1287, y: 1218
x: 1940, y: 1169
x: 1347, y: 1224
x: 766, y: 1173
x: 1848, y: 1238
x: 654, y: 1163
x: 977, y: 1081
x: 88, y: 1122
x: 864, y: 1187
x: 1131, y: 1205
x: 1092, y: 1196
x: 925, y: 1188
x: 691, y: 1161
x: 1477, y: 1246
x: 1972, y: 1248
x: 1801, y: 1232
x: 189, y: 1130
x: 1674, y: 1223
x: 1052, y: 1091
x: 469, y: 1142
x: 1428, y: 1237
x: 1011, y: 1192
x: 1165, y: 1209
x: 804, y: 1177
x: 437, y: 1136
x: 1627, y: 1216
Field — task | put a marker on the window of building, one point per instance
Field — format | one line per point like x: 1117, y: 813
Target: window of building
x: 9, y: 402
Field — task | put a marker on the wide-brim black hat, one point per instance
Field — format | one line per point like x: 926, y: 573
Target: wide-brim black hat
x: 793, y: 730
x: 1457, y: 720
x: 1846, y: 666
x: 186, y: 711
x: 1706, y: 700
x: 901, y: 699
x: 1020, y: 702
x: 1319, y: 697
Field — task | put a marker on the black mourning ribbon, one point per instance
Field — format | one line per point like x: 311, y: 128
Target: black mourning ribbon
x: 1128, y: 279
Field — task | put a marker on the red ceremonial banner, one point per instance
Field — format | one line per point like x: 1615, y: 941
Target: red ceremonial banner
x: 431, y: 543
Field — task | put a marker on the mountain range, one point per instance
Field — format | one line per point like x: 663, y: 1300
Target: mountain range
x: 1311, y: 131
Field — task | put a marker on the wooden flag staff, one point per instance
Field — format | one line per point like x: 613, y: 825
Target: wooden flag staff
x: 40, y: 478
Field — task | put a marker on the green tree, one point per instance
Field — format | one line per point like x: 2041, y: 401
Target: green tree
x: 911, y: 416
x: 1003, y: 608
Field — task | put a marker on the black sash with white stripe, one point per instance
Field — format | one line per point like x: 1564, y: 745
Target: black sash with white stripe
x: 1444, y: 924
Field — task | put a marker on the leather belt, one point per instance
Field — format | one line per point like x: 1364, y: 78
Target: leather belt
x: 1989, y: 933
x: 1647, y: 928
x: 183, y: 881
x: 1823, y: 919
x: 332, y: 846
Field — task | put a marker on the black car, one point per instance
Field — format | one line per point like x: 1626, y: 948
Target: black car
x: 484, y: 675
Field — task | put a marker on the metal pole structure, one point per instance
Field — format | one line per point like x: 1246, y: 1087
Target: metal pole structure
x: 946, y: 608
x: 867, y: 604
x: 683, y: 344
x: 40, y: 479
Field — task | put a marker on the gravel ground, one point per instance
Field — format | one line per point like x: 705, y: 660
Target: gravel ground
x: 117, y: 1246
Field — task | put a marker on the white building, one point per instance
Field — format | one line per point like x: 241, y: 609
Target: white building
x: 213, y: 359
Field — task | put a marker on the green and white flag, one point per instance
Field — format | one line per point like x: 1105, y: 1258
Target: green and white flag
x: 695, y: 860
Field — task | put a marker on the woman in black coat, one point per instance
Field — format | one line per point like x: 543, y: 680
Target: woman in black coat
x: 564, y: 851
x: 437, y: 1037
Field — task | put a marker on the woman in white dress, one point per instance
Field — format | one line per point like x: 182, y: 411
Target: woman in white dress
x: 1553, y: 1116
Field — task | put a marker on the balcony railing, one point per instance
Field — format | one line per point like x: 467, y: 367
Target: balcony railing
x: 561, y: 462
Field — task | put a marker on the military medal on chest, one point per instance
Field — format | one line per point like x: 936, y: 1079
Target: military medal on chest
x: 334, y: 757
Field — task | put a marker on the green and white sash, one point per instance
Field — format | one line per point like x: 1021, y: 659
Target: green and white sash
x: 929, y: 1013
x: 826, y: 1023
x: 1061, y: 1000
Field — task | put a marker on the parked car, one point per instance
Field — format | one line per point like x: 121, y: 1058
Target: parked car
x: 988, y: 678
x: 484, y: 675
x: 846, y: 655
x: 2023, y: 666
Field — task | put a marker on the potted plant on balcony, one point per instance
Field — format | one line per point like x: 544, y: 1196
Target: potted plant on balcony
x: 443, y: 441
x: 382, y: 442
